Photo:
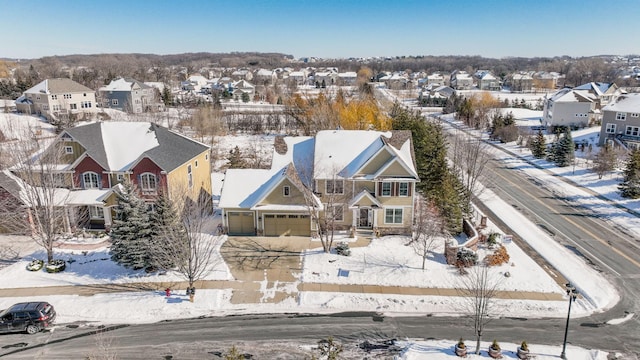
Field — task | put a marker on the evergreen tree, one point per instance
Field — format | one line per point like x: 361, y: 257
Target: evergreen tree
x: 167, y: 96
x: 166, y: 226
x: 437, y: 183
x: 538, y: 145
x: 131, y: 231
x: 563, y: 151
x: 630, y: 186
x: 236, y: 160
x: 245, y: 97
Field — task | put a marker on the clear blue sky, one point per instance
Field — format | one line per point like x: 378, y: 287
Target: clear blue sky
x: 322, y: 28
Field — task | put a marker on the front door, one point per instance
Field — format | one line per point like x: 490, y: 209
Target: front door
x: 364, y: 218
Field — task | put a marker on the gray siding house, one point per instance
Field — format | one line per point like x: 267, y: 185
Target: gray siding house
x: 129, y: 95
x: 621, y: 122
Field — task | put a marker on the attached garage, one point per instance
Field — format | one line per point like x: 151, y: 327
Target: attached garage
x: 241, y: 223
x: 287, y: 225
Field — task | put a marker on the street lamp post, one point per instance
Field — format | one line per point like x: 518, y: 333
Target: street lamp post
x: 573, y: 294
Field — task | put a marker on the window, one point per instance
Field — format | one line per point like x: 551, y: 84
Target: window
x: 337, y: 211
x: 621, y: 116
x: 635, y: 114
x: 335, y: 187
x: 90, y: 180
x: 386, y: 189
x: 393, y: 216
x: 632, y: 131
x: 68, y: 150
x: 45, y: 107
x: 286, y: 191
x: 611, y: 129
x: 67, y: 96
x: 55, y: 107
x: 97, y: 212
x: 37, y: 97
x: 403, y: 189
x: 54, y: 97
x: 73, y: 106
x: 85, y: 104
x: 206, y: 156
x: 114, y: 102
x: 196, y: 163
x: 148, y: 182
x: 189, y: 176
x: 120, y: 177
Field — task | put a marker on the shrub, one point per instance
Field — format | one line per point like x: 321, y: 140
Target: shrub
x: 466, y: 258
x: 524, y: 346
x: 495, y: 345
x: 499, y: 257
x: 493, y: 239
x: 55, y: 266
x: 35, y: 265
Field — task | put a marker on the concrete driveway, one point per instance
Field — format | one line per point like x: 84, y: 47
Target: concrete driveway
x: 268, y: 267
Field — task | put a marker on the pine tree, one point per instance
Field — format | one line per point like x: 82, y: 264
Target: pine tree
x: 630, y: 186
x: 166, y: 227
x: 245, y: 97
x: 236, y: 161
x: 539, y: 146
x: 564, y: 150
x: 167, y: 97
x: 131, y: 231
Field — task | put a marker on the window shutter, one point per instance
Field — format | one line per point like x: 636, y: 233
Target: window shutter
x: 82, y: 181
x: 99, y: 181
x: 409, y: 187
x: 395, y: 188
x: 380, y: 188
x: 139, y: 179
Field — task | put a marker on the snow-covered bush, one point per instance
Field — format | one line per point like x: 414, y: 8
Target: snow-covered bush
x: 35, y: 265
x: 55, y: 266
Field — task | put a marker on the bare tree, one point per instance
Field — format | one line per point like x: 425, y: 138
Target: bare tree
x: 42, y: 191
x: 182, y: 240
x: 428, y: 226
x: 478, y: 289
x: 469, y: 158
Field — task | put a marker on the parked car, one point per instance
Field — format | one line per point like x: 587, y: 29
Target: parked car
x: 31, y: 317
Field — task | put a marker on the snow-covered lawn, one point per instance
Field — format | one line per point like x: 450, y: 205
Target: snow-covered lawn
x: 390, y: 261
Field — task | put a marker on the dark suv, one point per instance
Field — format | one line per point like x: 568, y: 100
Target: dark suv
x: 31, y: 317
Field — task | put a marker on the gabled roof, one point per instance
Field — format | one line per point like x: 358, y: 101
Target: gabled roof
x: 58, y: 86
x: 124, y: 84
x: 364, y: 194
x: 625, y: 103
x: 116, y: 146
x: 598, y: 88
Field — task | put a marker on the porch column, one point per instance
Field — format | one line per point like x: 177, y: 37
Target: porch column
x: 107, y: 216
x: 354, y: 218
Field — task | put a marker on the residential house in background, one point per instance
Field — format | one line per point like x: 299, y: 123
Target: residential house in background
x: 621, y: 122
x: 194, y: 83
x: 242, y: 74
x: 243, y: 87
x: 543, y: 80
x: 57, y: 99
x: 130, y: 95
x: 520, y: 82
x: 461, y: 80
x: 299, y: 78
x: 348, y: 78
x: 580, y: 106
x: 265, y: 77
x: 328, y: 77
x: 365, y: 181
x: 435, y: 79
x: 95, y: 158
x: 485, y: 80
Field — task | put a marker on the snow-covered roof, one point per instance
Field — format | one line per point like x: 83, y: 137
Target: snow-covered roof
x: 598, y: 88
x: 118, y: 145
x: 348, y: 74
x: 625, y: 103
x: 335, y: 149
x: 243, y: 188
x: 58, y: 86
x: 88, y: 197
x: 123, y: 84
